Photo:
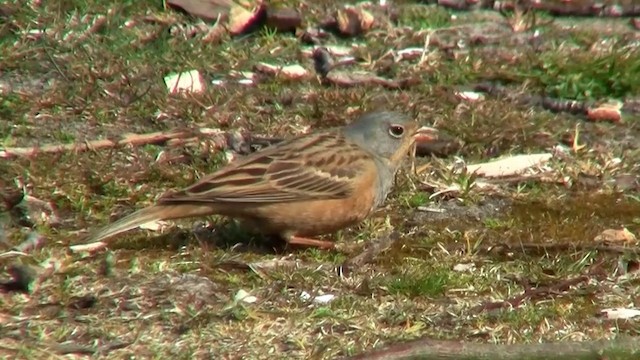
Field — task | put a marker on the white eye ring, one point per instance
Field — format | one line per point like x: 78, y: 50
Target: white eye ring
x: 396, y: 131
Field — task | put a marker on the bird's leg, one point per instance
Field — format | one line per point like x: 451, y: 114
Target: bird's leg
x: 322, y: 244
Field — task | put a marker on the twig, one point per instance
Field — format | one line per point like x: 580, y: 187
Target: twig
x: 448, y: 349
x: 324, y: 66
x: 70, y: 347
x: 264, y: 268
x: 239, y: 141
x: 548, y: 103
x: 374, y: 248
x: 130, y: 139
x: 557, y: 247
x: 91, y: 247
x: 532, y: 293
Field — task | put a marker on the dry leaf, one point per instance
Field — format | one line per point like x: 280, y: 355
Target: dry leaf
x: 620, y: 313
x: 204, y: 9
x: 215, y: 34
x: 616, y: 236
x: 346, y: 79
x: 408, y: 54
x: 333, y: 50
x: 283, y: 20
x: 190, y: 81
x: 318, y: 299
x: 469, y: 95
x: 509, y: 166
x: 245, y: 297
x: 366, y: 20
x: 287, y: 72
x: 240, y: 17
x: 464, y: 267
x: 154, y: 225
x: 609, y: 111
x: 351, y: 21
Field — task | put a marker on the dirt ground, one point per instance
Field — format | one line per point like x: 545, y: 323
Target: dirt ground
x: 541, y: 256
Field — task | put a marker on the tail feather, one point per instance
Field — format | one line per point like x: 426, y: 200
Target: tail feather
x: 149, y: 214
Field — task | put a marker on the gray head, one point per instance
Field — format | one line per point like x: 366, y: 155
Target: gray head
x: 386, y: 134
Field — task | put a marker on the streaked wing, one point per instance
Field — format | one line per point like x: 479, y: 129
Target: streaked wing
x: 318, y: 166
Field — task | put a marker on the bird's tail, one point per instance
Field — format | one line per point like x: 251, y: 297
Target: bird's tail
x: 149, y: 214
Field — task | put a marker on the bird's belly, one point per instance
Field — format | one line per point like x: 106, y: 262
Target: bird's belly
x: 311, y: 218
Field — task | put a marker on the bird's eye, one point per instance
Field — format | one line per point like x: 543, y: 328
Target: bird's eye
x: 396, y: 131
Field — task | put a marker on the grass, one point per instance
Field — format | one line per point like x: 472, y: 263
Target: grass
x: 594, y: 77
x: 173, y: 294
x: 419, y: 285
x: 423, y: 17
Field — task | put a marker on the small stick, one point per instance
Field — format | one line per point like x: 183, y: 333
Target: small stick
x: 220, y: 138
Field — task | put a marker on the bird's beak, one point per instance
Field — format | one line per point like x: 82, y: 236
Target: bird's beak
x: 426, y: 134
x: 430, y: 141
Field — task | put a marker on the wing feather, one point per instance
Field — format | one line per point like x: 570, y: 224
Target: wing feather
x: 318, y: 166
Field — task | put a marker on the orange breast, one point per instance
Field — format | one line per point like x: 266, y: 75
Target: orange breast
x: 317, y: 217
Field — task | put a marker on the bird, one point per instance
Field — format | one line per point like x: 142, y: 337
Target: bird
x: 306, y: 186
